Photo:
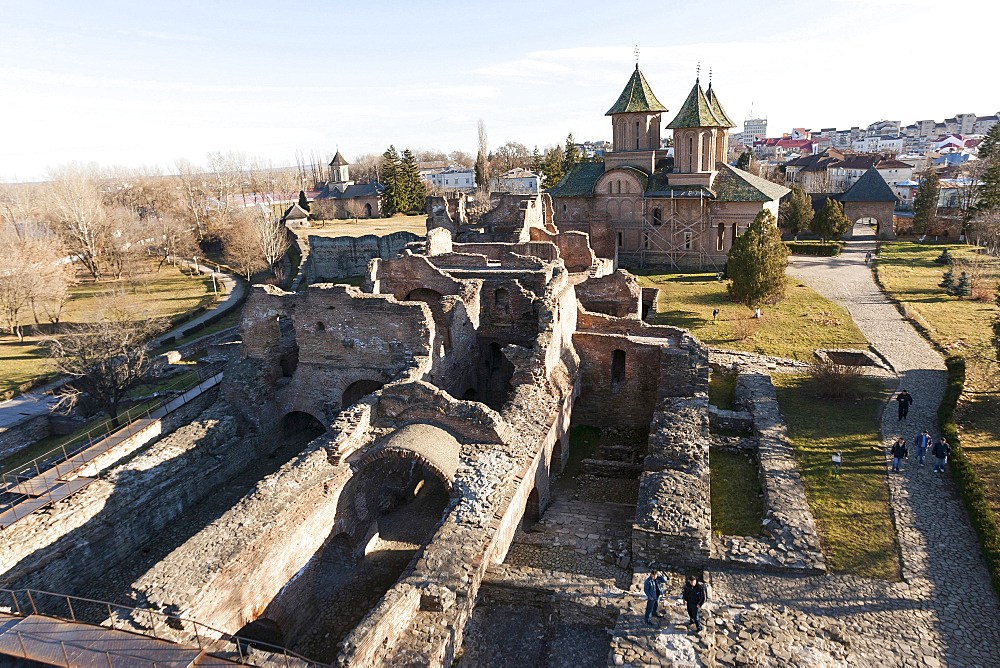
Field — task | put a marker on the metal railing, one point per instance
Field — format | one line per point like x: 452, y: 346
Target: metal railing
x: 208, y: 639
x: 79, y: 449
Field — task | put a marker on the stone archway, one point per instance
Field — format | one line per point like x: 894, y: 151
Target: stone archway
x: 358, y: 389
x: 881, y: 212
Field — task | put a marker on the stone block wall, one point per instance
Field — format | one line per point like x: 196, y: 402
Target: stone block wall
x: 339, y: 257
x: 607, y: 402
x: 617, y: 295
x: 23, y: 433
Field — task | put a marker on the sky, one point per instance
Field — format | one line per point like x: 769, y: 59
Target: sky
x: 146, y: 83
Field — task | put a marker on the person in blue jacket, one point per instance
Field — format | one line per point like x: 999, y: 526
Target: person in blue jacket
x: 651, y: 588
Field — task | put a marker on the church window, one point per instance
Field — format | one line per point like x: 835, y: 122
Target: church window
x: 621, y: 241
x: 619, y: 187
x: 735, y: 233
x: 657, y: 217
x: 690, y: 154
x: 706, y: 153
x: 564, y: 208
x: 637, y: 135
x: 687, y: 241
x: 609, y: 187
x: 645, y: 240
x: 721, y: 241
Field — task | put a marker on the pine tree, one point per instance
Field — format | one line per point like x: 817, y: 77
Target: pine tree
x: 571, y: 156
x: 415, y: 193
x: 536, y: 161
x: 988, y: 192
x: 830, y: 221
x: 303, y: 200
x: 944, y: 257
x: 961, y: 289
x: 797, y: 212
x: 552, y: 166
x: 947, y: 281
x: 925, y: 204
x: 393, y: 202
x: 757, y: 262
x: 743, y: 162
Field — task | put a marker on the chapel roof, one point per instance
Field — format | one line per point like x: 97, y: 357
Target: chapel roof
x: 637, y: 97
x: 717, y: 109
x: 736, y: 185
x: 697, y: 112
x: 338, y: 160
x: 871, y: 187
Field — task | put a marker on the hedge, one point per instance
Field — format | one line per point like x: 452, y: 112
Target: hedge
x: 970, y: 486
x: 806, y: 248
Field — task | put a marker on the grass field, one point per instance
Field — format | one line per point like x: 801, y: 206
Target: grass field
x: 164, y: 294
x: 737, y: 503
x: 721, y: 389
x: 909, y: 274
x: 794, y: 327
x: 363, y: 226
x: 852, y: 512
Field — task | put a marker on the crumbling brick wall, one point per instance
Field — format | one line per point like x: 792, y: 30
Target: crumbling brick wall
x: 617, y: 294
x: 339, y: 257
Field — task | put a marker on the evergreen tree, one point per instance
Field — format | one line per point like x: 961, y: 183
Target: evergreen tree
x: 743, y: 162
x: 797, y: 212
x: 536, y: 161
x: 961, y: 289
x: 303, y: 200
x: 830, y: 221
x: 552, y: 166
x: 925, y: 204
x: 571, y: 155
x: 393, y: 197
x: 415, y: 193
x: 482, y: 171
x: 989, y: 185
x: 944, y: 257
x: 757, y: 262
x: 947, y: 281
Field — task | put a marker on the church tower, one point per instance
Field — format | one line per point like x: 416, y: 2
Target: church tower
x: 701, y: 137
x: 340, y: 175
x: 635, y: 123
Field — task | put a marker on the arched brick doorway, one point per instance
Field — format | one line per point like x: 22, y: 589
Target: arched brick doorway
x: 300, y: 423
x: 358, y: 389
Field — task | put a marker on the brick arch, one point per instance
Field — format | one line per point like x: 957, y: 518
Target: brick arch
x: 427, y: 444
x: 883, y: 212
x: 357, y: 376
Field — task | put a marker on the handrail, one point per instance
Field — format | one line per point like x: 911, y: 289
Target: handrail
x: 51, y: 459
x: 203, y: 643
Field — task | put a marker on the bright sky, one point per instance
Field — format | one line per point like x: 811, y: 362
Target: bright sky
x: 133, y: 83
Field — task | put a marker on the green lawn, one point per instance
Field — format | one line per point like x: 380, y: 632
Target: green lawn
x: 721, y: 389
x: 794, y: 327
x: 737, y: 503
x: 852, y: 512
x: 909, y: 274
x: 162, y: 295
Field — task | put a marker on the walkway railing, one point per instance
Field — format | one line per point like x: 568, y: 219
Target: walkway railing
x: 50, y: 477
x: 76, y: 609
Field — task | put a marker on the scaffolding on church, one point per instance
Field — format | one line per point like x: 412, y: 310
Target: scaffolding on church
x: 666, y: 237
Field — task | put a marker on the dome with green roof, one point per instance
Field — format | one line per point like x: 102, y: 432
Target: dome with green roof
x: 699, y: 112
x: 637, y: 97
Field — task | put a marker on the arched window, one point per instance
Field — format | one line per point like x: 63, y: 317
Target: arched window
x: 619, y: 187
x: 735, y: 234
x: 618, y: 367
x: 706, y: 153
x: 501, y: 298
x: 609, y: 187
x: 657, y: 217
x: 690, y: 153
x: 564, y: 208
x: 637, y: 135
x: 620, y: 240
x: 721, y: 242
x: 645, y: 240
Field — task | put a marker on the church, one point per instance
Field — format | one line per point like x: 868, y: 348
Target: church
x: 647, y: 210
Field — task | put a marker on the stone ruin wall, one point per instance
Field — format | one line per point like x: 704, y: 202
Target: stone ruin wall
x: 340, y: 257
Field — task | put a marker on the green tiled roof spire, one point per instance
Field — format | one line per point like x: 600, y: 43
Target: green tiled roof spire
x: 717, y: 109
x: 697, y: 112
x: 637, y: 97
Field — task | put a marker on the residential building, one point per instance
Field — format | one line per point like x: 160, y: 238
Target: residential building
x: 516, y: 181
x: 879, y: 144
x: 754, y: 129
x: 454, y: 178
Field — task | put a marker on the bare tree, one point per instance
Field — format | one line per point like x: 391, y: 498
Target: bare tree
x: 367, y: 168
x: 984, y: 230
x: 19, y: 203
x: 272, y: 238
x: 105, y: 358
x: 227, y: 171
x: 510, y: 156
x: 76, y: 210
x: 241, y: 247
x: 15, y: 278
x: 462, y: 159
x: 354, y: 209
x: 193, y: 195
x: 173, y: 237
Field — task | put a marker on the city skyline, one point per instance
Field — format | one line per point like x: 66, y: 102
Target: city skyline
x: 119, y: 84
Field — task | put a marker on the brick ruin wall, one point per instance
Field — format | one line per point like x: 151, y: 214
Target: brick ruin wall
x: 341, y: 257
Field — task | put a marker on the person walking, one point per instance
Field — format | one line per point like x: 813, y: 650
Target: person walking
x: 899, y: 453
x: 904, y: 400
x: 651, y: 588
x: 940, y: 451
x: 694, y: 596
x: 868, y: 257
x: 920, y: 443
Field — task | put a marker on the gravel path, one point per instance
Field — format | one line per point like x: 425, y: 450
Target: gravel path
x: 954, y: 606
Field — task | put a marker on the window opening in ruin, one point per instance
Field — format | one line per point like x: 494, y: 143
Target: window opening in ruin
x: 618, y: 367
x: 555, y: 465
x: 501, y: 298
x: 288, y: 358
x: 298, y: 423
x: 320, y: 327
x: 358, y: 389
x: 721, y: 241
x: 496, y: 356
x: 657, y: 217
x: 368, y: 210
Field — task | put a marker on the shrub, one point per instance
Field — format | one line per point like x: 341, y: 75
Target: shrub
x: 836, y: 381
x: 981, y: 292
x: 804, y: 248
x: 970, y: 485
x: 756, y: 263
x: 744, y: 328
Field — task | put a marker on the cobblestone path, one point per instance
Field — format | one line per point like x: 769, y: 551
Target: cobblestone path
x: 945, y: 610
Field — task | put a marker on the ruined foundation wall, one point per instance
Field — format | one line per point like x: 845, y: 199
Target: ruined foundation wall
x: 339, y: 257
x: 61, y: 547
x: 617, y: 294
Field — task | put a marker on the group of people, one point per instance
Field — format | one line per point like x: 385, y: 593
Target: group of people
x: 921, y: 443
x: 693, y: 596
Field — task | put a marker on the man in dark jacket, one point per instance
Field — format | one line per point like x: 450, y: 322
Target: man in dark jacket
x: 904, y: 400
x: 694, y: 596
x: 899, y: 453
x: 940, y: 451
x: 651, y: 588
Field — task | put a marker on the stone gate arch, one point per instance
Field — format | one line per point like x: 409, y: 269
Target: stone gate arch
x: 429, y: 445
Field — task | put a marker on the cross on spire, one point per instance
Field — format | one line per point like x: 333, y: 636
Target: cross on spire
x: 697, y: 72
x: 709, y: 76
x: 635, y: 50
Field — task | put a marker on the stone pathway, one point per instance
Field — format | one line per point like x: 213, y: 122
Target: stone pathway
x: 951, y: 612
